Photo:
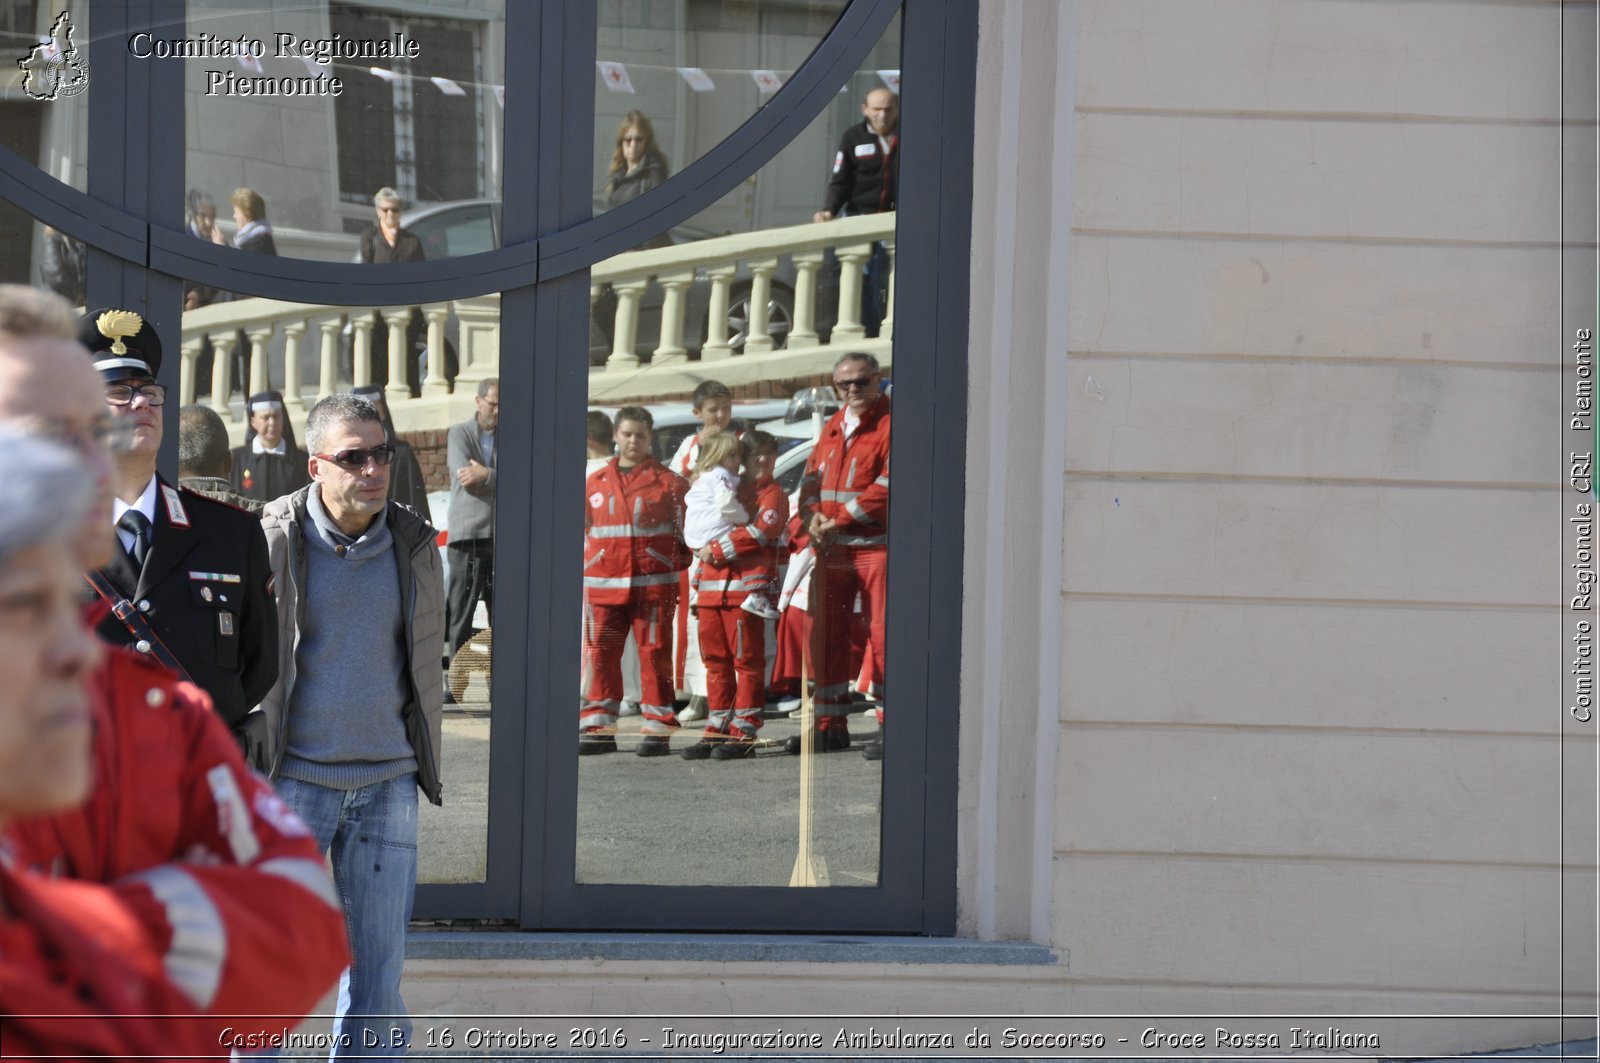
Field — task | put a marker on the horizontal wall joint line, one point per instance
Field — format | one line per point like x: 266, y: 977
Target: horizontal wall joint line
x: 1351, y: 239
x: 1339, y: 603
x: 1339, y: 361
x: 1320, y: 858
x: 1146, y: 726
x: 1126, y: 475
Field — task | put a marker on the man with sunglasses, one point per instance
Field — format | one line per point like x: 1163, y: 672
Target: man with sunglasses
x: 192, y: 570
x: 357, y: 709
x: 844, y: 506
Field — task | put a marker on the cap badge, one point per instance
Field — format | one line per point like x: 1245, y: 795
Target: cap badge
x: 117, y: 325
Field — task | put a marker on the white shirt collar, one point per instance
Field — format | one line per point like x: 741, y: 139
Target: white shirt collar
x: 258, y: 447
x: 146, y: 504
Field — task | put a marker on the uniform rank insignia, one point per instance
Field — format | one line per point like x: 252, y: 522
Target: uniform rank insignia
x: 175, y: 510
x: 249, y: 481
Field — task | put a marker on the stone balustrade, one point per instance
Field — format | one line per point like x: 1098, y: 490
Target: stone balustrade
x: 311, y: 351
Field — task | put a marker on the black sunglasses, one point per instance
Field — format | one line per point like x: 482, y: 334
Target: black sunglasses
x: 858, y: 382
x: 356, y: 460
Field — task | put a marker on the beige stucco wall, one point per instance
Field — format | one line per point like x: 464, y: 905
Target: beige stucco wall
x: 1275, y: 404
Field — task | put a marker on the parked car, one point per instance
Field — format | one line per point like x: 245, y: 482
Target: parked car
x: 470, y: 226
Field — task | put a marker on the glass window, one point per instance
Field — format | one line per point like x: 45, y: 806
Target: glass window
x: 733, y: 621
x: 44, y: 110
x: 335, y: 110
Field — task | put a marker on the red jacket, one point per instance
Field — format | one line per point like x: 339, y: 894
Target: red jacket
x: 78, y: 981
x: 186, y: 836
x: 848, y: 479
x: 633, y: 541
x: 746, y: 559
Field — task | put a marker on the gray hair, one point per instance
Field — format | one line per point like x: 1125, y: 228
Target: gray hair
x: 32, y: 314
x: 856, y: 356
x: 46, y: 488
x: 202, y: 443
x: 334, y: 411
x: 388, y: 195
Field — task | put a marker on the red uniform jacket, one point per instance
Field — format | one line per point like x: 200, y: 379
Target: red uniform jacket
x: 79, y: 981
x: 848, y: 479
x: 224, y: 880
x: 633, y: 525
x: 746, y: 559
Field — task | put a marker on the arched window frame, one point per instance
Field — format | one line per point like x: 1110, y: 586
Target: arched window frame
x: 131, y: 219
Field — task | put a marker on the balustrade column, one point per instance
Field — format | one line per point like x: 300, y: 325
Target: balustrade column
x: 398, y: 320
x: 260, y: 369
x: 626, y: 325
x: 886, y: 328
x: 328, y: 377
x: 849, y: 328
x: 803, y: 330
x: 361, y: 349
x: 222, y: 373
x: 758, y: 340
x: 293, y: 403
x: 436, y: 383
x: 671, y: 347
x: 190, y: 350
x: 477, y: 340
x: 716, y: 346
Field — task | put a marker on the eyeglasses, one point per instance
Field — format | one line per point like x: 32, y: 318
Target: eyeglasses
x: 355, y: 460
x: 124, y: 394
x: 856, y: 382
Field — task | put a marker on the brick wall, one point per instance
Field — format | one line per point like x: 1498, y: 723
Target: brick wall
x: 430, y: 448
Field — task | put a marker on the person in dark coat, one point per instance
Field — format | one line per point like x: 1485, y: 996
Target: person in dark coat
x: 386, y: 241
x: 191, y: 570
x: 269, y: 464
x: 406, y: 484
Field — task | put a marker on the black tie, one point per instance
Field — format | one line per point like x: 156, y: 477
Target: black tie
x: 138, y: 525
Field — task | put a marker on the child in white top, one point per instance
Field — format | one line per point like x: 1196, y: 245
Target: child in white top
x: 711, y: 506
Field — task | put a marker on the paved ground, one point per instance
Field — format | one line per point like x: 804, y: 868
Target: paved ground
x: 670, y: 821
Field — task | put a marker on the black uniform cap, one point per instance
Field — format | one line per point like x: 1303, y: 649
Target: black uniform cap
x: 123, y: 344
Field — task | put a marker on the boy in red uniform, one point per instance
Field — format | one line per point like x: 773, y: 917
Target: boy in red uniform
x: 734, y: 567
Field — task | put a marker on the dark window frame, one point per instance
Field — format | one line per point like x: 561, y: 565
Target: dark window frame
x: 131, y: 218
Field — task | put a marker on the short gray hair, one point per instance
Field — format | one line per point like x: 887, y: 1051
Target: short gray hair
x: 388, y: 195
x: 336, y: 410
x: 857, y: 356
x: 46, y: 488
x: 33, y: 314
x: 202, y: 443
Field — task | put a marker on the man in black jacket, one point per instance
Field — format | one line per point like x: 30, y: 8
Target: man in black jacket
x: 866, y: 174
x: 194, y: 569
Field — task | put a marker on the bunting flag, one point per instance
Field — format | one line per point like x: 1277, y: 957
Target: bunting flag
x: 698, y: 79
x: 250, y: 62
x: 891, y: 79
x: 767, y: 81
x: 615, y: 75
x: 499, y: 95
x: 448, y: 87
x: 387, y: 75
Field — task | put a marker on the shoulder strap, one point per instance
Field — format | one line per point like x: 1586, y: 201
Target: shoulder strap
x: 135, y: 622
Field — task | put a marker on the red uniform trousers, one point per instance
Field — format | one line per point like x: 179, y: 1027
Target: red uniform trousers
x: 842, y: 573
x: 651, y: 617
x: 733, y: 647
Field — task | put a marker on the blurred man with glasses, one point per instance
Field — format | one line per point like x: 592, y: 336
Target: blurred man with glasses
x: 357, y: 707
x: 202, y: 858
x: 192, y: 571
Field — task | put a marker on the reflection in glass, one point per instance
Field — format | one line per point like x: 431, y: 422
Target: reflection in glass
x: 300, y: 353
x: 417, y: 112
x: 735, y: 555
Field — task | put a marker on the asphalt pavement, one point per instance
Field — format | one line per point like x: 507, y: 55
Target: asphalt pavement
x: 669, y: 821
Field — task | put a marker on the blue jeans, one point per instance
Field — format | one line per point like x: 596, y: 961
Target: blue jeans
x: 370, y: 837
